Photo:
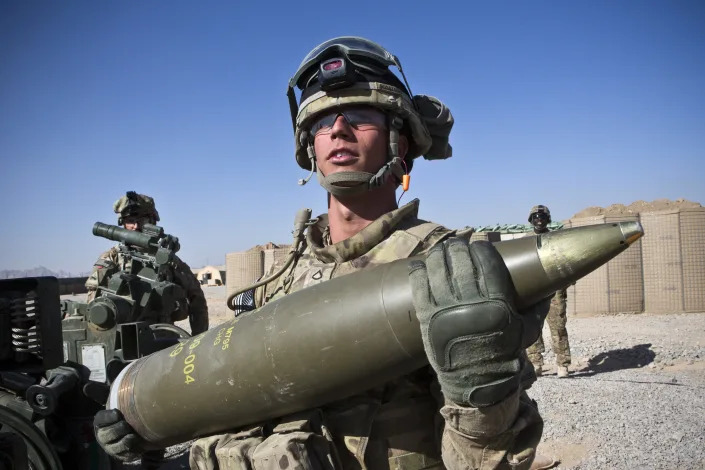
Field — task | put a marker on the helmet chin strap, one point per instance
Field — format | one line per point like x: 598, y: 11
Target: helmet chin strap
x: 346, y: 183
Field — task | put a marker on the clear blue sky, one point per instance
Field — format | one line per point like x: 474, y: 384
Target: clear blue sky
x: 569, y: 104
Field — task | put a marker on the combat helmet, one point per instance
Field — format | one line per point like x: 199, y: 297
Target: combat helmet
x: 540, y: 209
x: 352, y: 71
x: 135, y: 205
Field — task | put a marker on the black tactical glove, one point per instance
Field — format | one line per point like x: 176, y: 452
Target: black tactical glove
x: 472, y: 333
x: 117, y: 437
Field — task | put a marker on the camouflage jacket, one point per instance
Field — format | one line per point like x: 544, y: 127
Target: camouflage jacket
x: 183, y: 276
x: 398, y: 425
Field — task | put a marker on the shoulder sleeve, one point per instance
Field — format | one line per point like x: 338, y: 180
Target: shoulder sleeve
x: 105, y: 265
x: 197, y: 305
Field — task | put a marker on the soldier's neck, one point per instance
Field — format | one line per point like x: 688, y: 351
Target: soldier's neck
x: 348, y: 215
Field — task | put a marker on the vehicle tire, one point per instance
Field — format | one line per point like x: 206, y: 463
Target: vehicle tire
x: 40, y: 453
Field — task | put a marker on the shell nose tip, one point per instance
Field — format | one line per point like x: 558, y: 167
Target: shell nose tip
x: 632, y: 231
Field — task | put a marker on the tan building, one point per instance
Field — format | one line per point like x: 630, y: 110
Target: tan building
x: 211, y: 275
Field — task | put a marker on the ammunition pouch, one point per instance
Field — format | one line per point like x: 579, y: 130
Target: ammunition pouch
x: 299, y: 441
x: 225, y: 451
x: 407, y: 434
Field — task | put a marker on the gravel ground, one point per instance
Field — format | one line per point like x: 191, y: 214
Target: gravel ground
x: 635, y: 397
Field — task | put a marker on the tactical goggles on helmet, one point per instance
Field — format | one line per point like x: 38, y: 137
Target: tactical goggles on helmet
x: 338, y: 63
x: 539, y: 216
x: 358, y: 118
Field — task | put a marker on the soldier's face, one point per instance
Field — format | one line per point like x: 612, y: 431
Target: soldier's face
x: 345, y: 147
x: 135, y: 223
x: 539, y: 220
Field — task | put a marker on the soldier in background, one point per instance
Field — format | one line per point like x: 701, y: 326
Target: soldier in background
x: 134, y: 211
x: 359, y: 128
x: 540, y: 217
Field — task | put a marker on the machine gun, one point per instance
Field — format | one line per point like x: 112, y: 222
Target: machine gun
x: 134, y: 305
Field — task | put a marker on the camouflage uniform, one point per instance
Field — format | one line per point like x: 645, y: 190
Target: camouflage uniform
x: 405, y: 424
x: 556, y: 320
x: 112, y: 261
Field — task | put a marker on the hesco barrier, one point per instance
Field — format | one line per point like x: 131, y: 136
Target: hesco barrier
x: 693, y: 251
x: 274, y: 255
x: 674, y: 260
x: 242, y: 269
x: 616, y: 287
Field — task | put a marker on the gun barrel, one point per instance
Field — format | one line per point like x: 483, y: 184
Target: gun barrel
x: 325, y: 342
x: 119, y: 234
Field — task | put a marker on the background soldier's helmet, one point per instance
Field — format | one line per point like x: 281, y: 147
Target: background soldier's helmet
x: 540, y: 209
x: 352, y: 71
x: 135, y: 205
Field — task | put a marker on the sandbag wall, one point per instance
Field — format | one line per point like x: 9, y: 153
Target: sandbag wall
x: 616, y: 287
x: 242, y: 269
x: 674, y: 260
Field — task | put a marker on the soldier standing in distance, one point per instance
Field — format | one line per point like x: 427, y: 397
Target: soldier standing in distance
x: 359, y: 128
x: 540, y: 217
x: 134, y: 210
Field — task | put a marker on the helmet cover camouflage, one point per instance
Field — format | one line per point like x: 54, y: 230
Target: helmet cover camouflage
x: 135, y: 205
x: 427, y: 119
x: 540, y: 209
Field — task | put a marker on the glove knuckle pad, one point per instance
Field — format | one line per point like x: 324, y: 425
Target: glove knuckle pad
x: 452, y: 331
